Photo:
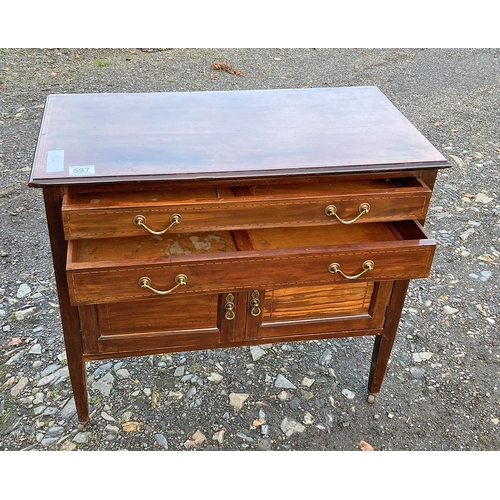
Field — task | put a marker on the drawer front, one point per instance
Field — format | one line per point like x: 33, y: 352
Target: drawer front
x: 258, y: 207
x: 408, y: 254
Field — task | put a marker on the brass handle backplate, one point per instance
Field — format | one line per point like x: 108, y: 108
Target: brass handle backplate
x: 255, y: 303
x: 140, y: 220
x: 368, y: 265
x: 363, y: 209
x: 229, y: 306
x: 180, y: 279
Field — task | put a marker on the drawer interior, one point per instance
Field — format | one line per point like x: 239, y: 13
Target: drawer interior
x: 207, y: 193
x: 272, y: 239
x: 178, y: 246
x: 119, y: 199
x: 150, y: 247
x: 332, y: 188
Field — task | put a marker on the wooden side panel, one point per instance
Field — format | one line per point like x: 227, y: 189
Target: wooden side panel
x: 89, y: 324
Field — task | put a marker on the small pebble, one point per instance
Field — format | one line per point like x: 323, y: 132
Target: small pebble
x: 23, y: 290
x: 283, y: 382
x: 348, y: 394
x: 162, y: 441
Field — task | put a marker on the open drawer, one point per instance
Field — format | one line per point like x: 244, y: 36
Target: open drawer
x: 207, y: 208
x: 112, y: 270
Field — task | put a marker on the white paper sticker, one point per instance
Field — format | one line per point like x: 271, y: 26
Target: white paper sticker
x: 55, y: 160
x: 82, y: 170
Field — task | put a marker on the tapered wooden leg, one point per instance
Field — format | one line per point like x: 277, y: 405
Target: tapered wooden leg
x: 383, y: 343
x: 69, y: 314
x: 76, y: 364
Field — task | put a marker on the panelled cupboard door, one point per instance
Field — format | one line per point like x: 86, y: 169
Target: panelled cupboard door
x: 296, y: 313
x: 158, y: 324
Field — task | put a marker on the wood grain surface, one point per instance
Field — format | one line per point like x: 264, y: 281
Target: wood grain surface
x: 193, y: 135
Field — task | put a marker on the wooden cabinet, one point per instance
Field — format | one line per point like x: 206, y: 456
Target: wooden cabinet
x: 219, y: 219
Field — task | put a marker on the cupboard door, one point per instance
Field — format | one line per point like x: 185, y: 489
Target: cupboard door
x: 298, y: 313
x: 158, y: 324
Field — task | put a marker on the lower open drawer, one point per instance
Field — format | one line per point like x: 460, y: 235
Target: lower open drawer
x: 120, y: 269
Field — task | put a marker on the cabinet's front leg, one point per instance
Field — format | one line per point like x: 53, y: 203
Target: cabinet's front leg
x: 383, y: 343
x: 76, y: 364
x: 69, y: 314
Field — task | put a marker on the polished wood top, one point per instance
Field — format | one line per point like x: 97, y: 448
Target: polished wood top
x: 94, y: 138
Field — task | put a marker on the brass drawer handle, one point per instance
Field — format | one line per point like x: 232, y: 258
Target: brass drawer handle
x: 180, y: 279
x: 368, y: 265
x: 364, y: 208
x: 140, y: 220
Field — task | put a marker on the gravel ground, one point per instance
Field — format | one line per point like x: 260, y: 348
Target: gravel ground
x: 441, y: 391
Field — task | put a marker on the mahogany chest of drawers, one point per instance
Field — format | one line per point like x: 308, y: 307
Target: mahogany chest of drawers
x: 184, y: 221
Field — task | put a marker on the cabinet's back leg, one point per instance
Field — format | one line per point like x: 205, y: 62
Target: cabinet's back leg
x: 383, y: 343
